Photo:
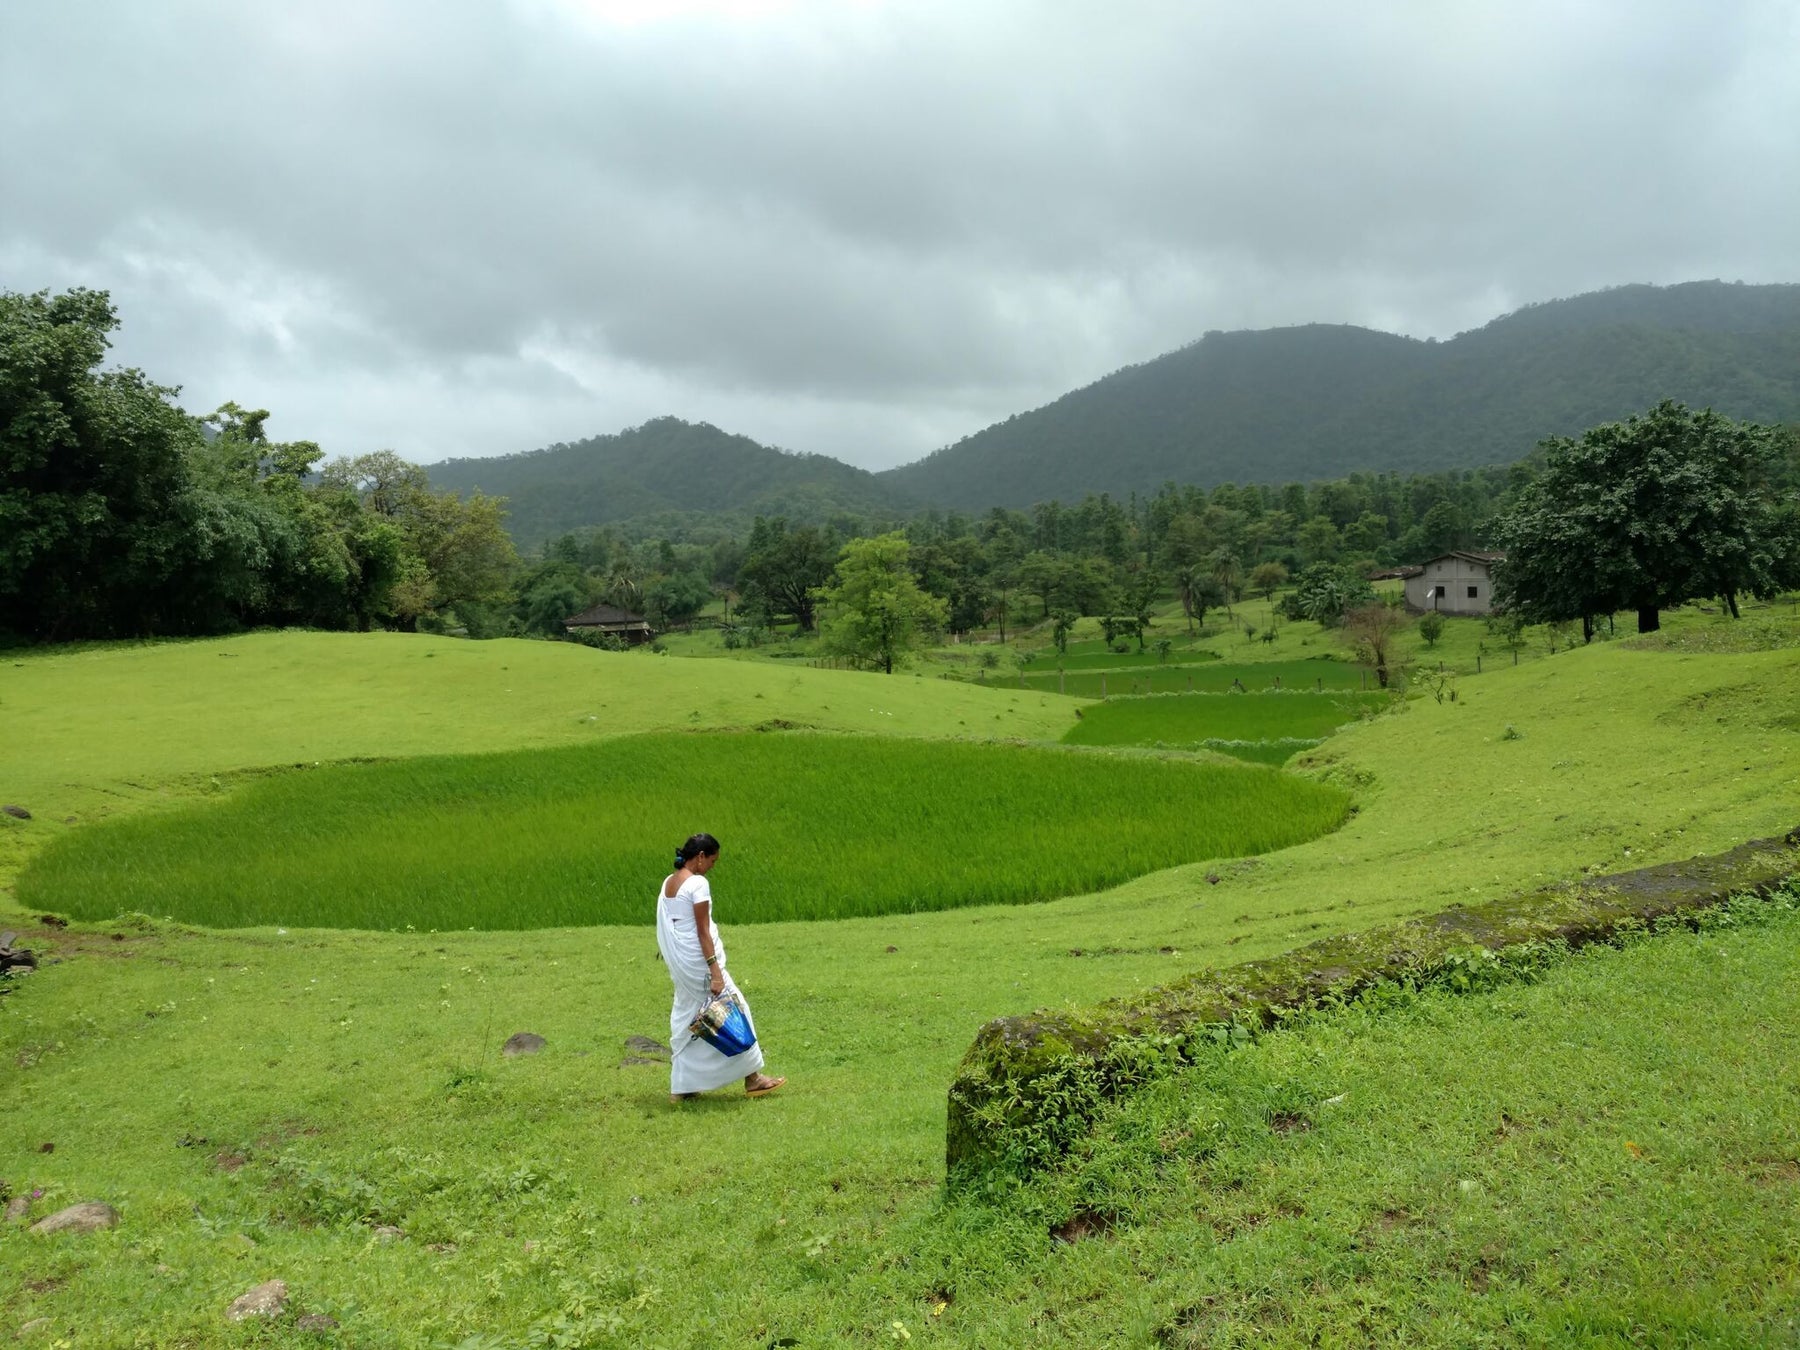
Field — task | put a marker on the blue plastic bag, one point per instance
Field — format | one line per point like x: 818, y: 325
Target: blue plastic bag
x: 724, y: 1026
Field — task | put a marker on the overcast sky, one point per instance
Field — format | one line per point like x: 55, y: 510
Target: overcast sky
x: 861, y: 229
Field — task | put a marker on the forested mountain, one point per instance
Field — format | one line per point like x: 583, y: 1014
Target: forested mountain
x: 1322, y: 401
x: 666, y: 469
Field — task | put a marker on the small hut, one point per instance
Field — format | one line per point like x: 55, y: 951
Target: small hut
x: 610, y: 619
x: 1459, y: 582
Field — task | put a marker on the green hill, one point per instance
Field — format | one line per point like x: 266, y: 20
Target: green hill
x: 666, y: 467
x: 1321, y: 401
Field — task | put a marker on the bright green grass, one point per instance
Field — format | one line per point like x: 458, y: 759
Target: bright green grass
x: 815, y: 827
x: 89, y: 731
x: 1607, y: 1157
x: 1267, y: 727
x: 361, y: 1070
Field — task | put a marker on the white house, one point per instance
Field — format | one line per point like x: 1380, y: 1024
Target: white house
x: 1460, y: 582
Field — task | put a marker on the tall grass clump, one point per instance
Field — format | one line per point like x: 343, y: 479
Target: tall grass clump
x: 814, y: 827
x: 1265, y: 727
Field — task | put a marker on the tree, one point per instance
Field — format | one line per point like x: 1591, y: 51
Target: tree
x: 1662, y: 508
x: 1268, y: 578
x: 1370, y: 630
x: 1431, y: 627
x: 1318, y: 539
x: 1325, y: 593
x: 1143, y: 599
x: 1199, y: 592
x: 676, y: 598
x: 1229, y: 573
x: 97, y: 501
x: 786, y: 568
x: 877, y: 611
x: 551, y: 592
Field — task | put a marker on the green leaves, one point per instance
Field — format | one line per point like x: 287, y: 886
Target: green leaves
x: 1664, y: 507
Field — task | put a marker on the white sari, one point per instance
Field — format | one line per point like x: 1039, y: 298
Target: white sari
x: 694, y: 1065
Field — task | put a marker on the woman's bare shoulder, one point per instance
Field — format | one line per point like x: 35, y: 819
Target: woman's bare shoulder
x: 669, y: 888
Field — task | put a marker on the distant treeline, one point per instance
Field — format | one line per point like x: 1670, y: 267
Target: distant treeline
x: 122, y: 515
x: 1099, y: 556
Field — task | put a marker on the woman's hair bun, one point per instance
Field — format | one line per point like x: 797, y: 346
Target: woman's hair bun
x: 696, y: 845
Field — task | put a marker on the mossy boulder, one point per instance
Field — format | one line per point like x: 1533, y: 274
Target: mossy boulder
x: 1030, y: 1085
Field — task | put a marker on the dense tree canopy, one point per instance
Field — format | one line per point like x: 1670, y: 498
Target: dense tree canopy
x: 784, y: 568
x: 122, y: 515
x: 1649, y: 512
x: 877, y: 612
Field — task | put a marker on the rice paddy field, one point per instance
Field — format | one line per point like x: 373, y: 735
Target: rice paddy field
x: 1267, y: 727
x: 332, y: 1108
x: 818, y: 827
x: 1211, y: 677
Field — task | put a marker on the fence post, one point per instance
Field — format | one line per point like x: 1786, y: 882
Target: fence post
x: 1321, y: 684
x: 1190, y: 684
x: 1059, y: 681
x: 1478, y: 663
x: 1102, y: 685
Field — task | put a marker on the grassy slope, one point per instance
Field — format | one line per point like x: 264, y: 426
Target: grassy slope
x: 1610, y: 1156
x: 386, y: 1046
x: 92, y: 730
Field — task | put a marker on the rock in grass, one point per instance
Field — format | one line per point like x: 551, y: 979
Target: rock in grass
x: 631, y: 1060
x: 266, y: 1300
x: 387, y: 1232
x: 316, y: 1322
x: 522, y: 1043
x: 17, y: 1208
x: 643, y: 1045
x: 88, y: 1217
x: 37, y: 1326
x: 16, y: 812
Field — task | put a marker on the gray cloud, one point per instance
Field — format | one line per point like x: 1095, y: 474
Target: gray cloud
x: 861, y: 229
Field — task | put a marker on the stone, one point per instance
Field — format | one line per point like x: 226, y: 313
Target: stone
x: 630, y: 1060
x: 37, y: 1326
x: 643, y: 1045
x: 522, y: 1043
x: 88, y: 1217
x: 266, y: 1300
x: 16, y: 812
x: 387, y: 1232
x: 17, y: 1208
x: 316, y: 1322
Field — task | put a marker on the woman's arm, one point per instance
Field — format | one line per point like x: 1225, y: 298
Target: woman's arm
x: 703, y: 931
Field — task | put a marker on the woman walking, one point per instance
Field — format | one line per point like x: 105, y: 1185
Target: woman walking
x: 690, y: 945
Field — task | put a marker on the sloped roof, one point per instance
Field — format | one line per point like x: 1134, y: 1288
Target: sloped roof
x: 597, y: 615
x: 1485, y: 558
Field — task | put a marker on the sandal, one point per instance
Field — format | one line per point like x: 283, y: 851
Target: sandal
x: 764, y: 1088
